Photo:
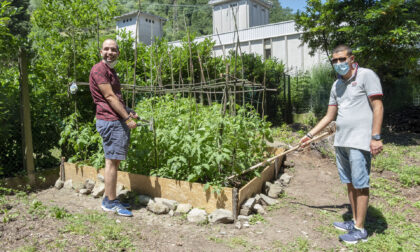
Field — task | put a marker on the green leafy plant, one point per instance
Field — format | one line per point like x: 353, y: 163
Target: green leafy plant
x: 194, y: 142
x: 256, y: 218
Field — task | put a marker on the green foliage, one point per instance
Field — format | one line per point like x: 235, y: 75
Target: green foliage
x: 384, y: 36
x: 6, y: 12
x: 189, y: 146
x: 81, y: 142
x: 279, y: 14
x: 59, y: 212
x: 311, y: 90
x: 256, y: 218
x: 37, y: 209
x: 186, y: 144
x: 392, y: 160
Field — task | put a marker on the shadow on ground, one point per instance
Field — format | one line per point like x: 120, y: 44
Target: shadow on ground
x: 375, y: 221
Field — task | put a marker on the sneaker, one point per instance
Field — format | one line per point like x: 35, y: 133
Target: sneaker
x: 116, y: 207
x: 354, y: 236
x: 125, y: 205
x: 344, y: 226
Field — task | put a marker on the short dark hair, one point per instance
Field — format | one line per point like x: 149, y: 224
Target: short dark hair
x: 341, y: 48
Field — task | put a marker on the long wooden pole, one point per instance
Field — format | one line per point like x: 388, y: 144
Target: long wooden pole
x: 282, y: 154
x: 27, y: 150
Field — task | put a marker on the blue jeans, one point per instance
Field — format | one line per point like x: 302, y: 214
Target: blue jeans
x: 353, y: 166
x: 115, y: 136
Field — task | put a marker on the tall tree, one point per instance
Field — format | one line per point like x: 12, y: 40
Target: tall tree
x: 279, y: 14
x: 384, y: 34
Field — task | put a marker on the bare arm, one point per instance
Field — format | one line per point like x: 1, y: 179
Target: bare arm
x: 378, y: 114
x: 329, y: 117
x: 114, y: 102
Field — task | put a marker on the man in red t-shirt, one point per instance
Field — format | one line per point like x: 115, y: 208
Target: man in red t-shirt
x: 113, y: 121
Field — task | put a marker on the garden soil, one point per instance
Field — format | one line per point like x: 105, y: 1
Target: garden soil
x: 313, y: 199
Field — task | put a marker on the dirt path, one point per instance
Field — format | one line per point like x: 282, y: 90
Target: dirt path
x: 302, y: 220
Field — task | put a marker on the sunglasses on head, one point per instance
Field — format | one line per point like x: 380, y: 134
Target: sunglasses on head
x: 341, y: 59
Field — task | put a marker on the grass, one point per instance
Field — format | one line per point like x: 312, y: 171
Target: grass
x: 402, y: 160
x: 255, y: 218
x: 285, y: 134
x: 299, y: 244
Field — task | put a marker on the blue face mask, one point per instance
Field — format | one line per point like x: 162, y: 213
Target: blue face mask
x: 342, y: 68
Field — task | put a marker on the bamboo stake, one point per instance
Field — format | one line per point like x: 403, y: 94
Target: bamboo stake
x: 201, y: 75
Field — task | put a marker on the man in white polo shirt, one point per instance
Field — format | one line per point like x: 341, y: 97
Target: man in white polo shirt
x: 356, y: 101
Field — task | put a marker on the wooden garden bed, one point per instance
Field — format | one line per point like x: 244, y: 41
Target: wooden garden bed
x: 181, y: 191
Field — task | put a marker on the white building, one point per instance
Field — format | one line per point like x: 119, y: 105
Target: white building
x: 248, y: 13
x: 256, y: 35
x: 150, y: 26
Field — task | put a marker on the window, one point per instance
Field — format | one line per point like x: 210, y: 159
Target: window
x: 234, y: 5
x: 147, y: 20
x: 131, y: 19
x: 267, y: 54
x: 153, y: 21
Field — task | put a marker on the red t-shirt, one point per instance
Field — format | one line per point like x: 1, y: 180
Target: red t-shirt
x: 101, y: 73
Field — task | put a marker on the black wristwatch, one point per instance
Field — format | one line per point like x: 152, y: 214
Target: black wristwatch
x: 376, y: 137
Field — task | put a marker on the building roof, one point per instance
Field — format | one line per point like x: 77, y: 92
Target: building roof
x: 134, y: 13
x: 264, y: 3
x: 250, y: 34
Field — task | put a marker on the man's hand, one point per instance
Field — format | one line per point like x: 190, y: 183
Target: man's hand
x: 303, y: 141
x: 134, y: 115
x: 131, y: 123
x: 375, y: 147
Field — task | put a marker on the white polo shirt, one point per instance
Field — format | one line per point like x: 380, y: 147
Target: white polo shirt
x: 355, y: 115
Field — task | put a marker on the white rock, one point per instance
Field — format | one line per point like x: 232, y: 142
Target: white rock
x: 288, y: 163
x: 101, y: 178
x: 183, y: 209
x: 123, y: 194
x: 259, y: 209
x: 171, y: 213
x: 172, y: 204
x: 89, y: 184
x: 245, y: 211
x: 157, y: 207
x: 197, y: 216
x: 267, y: 200
x: 267, y: 186
x: 59, y: 184
x: 243, y: 218
x: 68, y: 184
x: 77, y: 186
x: 257, y: 199
x: 274, y: 190
x: 249, y: 203
x: 84, y: 191
x: 120, y: 187
x: 245, y: 224
x: 238, y: 225
x: 221, y: 216
x: 144, y: 199
x: 285, y: 178
x: 98, y: 190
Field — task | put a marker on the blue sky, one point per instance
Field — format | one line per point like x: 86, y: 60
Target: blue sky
x: 293, y: 4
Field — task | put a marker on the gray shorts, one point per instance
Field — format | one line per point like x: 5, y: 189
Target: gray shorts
x: 353, y: 166
x: 115, y: 136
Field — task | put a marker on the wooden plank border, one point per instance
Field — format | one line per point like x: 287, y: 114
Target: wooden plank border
x: 43, y: 180
x: 181, y: 191
x: 256, y: 185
